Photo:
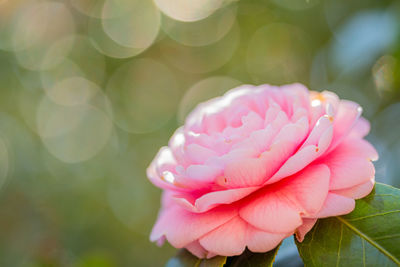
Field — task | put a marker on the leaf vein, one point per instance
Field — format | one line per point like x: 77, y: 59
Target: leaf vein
x: 312, y: 239
x: 363, y: 246
x: 386, y: 195
x: 340, y: 245
x: 373, y: 215
x: 386, y: 236
x: 371, y: 241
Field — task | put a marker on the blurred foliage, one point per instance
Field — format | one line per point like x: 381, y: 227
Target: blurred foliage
x: 91, y: 89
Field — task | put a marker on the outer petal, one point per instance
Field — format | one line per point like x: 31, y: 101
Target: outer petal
x: 271, y: 212
x: 232, y: 238
x: 350, y: 163
x: 309, y: 188
x: 358, y: 191
x: 305, y: 228
x: 335, y: 205
x: 278, y: 208
x: 213, y: 199
x: 260, y: 241
x: 361, y: 128
x: 163, y: 172
x: 176, y: 144
x: 196, y: 249
x: 182, y: 227
x: 229, y: 239
x: 157, y: 180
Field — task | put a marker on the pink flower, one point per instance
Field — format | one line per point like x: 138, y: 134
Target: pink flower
x: 257, y: 165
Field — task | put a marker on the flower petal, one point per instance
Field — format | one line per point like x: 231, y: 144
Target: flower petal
x: 345, y: 119
x: 213, y: 199
x: 202, y: 173
x: 181, y: 227
x: 196, y: 249
x: 278, y: 208
x: 163, y: 161
x: 350, y: 163
x: 335, y: 205
x: 271, y: 212
x: 245, y: 172
x: 361, y: 128
x: 276, y: 156
x: 306, y: 154
x: 303, y: 229
x: 309, y: 188
x: 229, y: 239
x: 198, y: 154
x: 259, y: 241
x: 295, y: 163
x: 357, y: 191
x: 322, y: 125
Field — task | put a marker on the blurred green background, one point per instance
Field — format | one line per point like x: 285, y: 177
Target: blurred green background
x: 91, y: 89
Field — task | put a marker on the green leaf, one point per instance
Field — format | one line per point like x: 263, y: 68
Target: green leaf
x: 369, y: 236
x: 185, y: 259
x: 249, y: 258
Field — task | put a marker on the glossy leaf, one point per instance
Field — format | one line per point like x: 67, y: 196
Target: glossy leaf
x: 185, y: 259
x: 369, y: 236
x: 249, y: 258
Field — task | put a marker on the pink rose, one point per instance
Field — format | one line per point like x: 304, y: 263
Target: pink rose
x: 257, y: 165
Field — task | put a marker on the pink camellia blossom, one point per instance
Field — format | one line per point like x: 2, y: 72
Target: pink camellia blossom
x: 257, y: 165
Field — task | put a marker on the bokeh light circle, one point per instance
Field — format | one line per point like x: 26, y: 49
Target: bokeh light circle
x: 143, y: 94
x: 90, y: 62
x: 91, y: 8
x: 73, y: 133
x: 135, y: 25
x: 56, y: 53
x: 28, y: 102
x: 361, y: 39
x: 128, y: 198
x: 63, y: 71
x: 203, y: 32
x: 82, y: 61
x: 188, y: 10
x: 105, y: 45
x: 10, y: 13
x: 202, y: 59
x: 38, y: 28
x: 383, y: 73
x: 72, y: 91
x: 296, y: 4
x: 4, y: 162
x: 385, y: 124
x: 204, y: 90
x: 277, y: 54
